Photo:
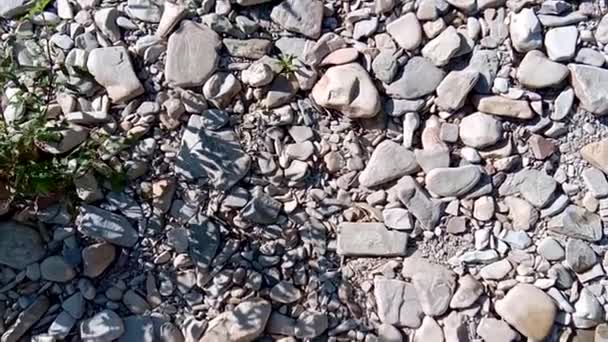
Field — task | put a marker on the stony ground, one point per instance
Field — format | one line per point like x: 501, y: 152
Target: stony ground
x: 387, y: 170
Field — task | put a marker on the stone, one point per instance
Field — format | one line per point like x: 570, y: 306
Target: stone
x: 262, y: 209
x: 516, y: 239
x: 349, y: 90
x: 388, y: 162
x: 285, y: 292
x: 596, y: 182
x: 577, y: 222
x: 588, y: 310
x: 20, y: 245
x: 62, y: 325
x: 579, y: 256
x: 26, y: 319
x: 214, y: 154
x: 485, y: 62
x: 55, y: 268
x: 550, y: 249
x: 173, y: 13
x: 370, y: 239
x: 502, y: 106
x: 479, y: 130
x: 257, y: 75
x: 397, y: 218
x: 523, y: 215
x: 203, y: 241
x: 389, y: 333
x: 191, y: 55
x: 429, y: 331
x: 491, y: 329
x: 541, y: 147
x: 406, y: 31
x: 596, y: 154
x: 103, y: 326
x: 537, y: 187
x: 111, y: 67
x: 452, y: 181
x: 138, y: 328
x: 434, y: 283
x: 74, y: 305
x: 497, y: 270
x: 442, y: 48
x: 419, y: 77
x: 469, y: 290
x: 601, y: 32
x: 526, y: 31
x: 251, y: 2
x: 536, y: 71
x: 601, y: 331
x: 135, y: 303
x: 247, y: 48
x: 245, y: 323
x: 560, y: 43
x: 12, y: 8
x: 170, y: 333
x: 587, y: 82
x: 339, y: 57
x: 397, y: 303
x: 303, y: 17
x: 105, y: 20
x: 221, y: 88
x: 101, y: 224
x: 311, y: 324
x: 524, y: 301
x: 385, y: 66
x: 417, y: 201
x: 455, y: 327
x: 456, y: 225
x: 96, y: 258
x: 590, y: 57
x: 453, y: 90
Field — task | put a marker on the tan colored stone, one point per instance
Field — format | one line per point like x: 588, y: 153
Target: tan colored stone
x: 96, y: 258
x: 502, y: 106
x: 597, y: 154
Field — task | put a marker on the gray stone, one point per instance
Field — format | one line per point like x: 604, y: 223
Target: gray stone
x: 486, y: 63
x: 397, y: 218
x: 311, y: 324
x: 590, y: 57
x: 550, y: 249
x: 26, y: 319
x: 469, y: 290
x: 526, y: 31
x: 191, y: 55
x: 262, y: 208
x: 480, y: 130
x: 418, y: 202
x: 396, y: 107
x: 596, y: 182
x: 388, y: 162
x: 537, y: 187
x: 435, y: 284
x: 560, y: 43
x: 247, y: 48
x: 245, y: 323
x: 587, y: 82
x: 62, y: 325
x: 221, y: 88
x: 504, y: 107
x: 105, y: 20
x: 588, y: 310
x: 497, y: 270
x: 19, y: 245
x: 524, y: 301
x: 515, y: 239
x: 397, y: 303
x: 388, y: 333
x: 579, y: 256
x: 74, y: 305
x: 601, y: 32
x: 419, y: 77
x: 406, y: 31
x: 55, y: 268
x: 103, y: 326
x: 453, y: 90
x: 12, y: 8
x: 563, y: 104
x: 452, y: 181
x: 370, y: 239
x: 138, y: 329
x: 285, y: 292
x: 429, y: 331
x: 495, y: 330
x: 111, y: 67
x: 442, y: 48
x: 203, y: 241
x: 101, y: 224
x: 215, y: 154
x: 302, y: 17
x: 385, y: 66
x: 577, y: 222
x: 537, y: 71
x: 135, y: 303
x: 523, y: 215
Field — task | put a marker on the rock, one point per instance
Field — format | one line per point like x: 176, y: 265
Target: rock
x: 285, y: 292
x: 596, y: 154
x: 502, y: 106
x: 100, y: 224
x: 453, y: 90
x: 397, y: 218
x: 596, y: 182
x: 550, y: 249
x: 257, y: 75
x: 19, y: 245
x: 71, y: 136
x: 429, y: 331
x: 497, y: 270
x: 245, y: 323
x: 537, y: 187
x: 105, y: 20
x: 203, y: 241
x: 370, y: 239
x: 601, y: 331
x: 12, y: 8
x: 103, y: 326
x: 586, y: 81
x: 522, y: 213
x: 302, y: 17
x: 138, y: 329
x: 417, y: 201
x: 111, y: 67
x: 221, y: 88
x: 26, y: 319
x: 389, y: 333
x: 388, y: 162
x: 348, y: 89
x: 525, y: 301
x: 397, y: 303
x: 62, y: 325
x: 406, y: 31
x: 55, y: 268
x: 526, y: 31
x: 247, y: 48
x: 311, y: 324
x: 74, y: 305
x: 577, y: 222
x: 172, y: 15
x: 486, y: 63
x: 452, y: 181
x: 434, y: 284
x: 215, y: 154
x: 96, y: 258
x: 579, y: 256
x: 588, y: 310
x: 455, y: 327
x: 560, y: 43
x: 491, y: 329
x: 590, y: 57
x: 456, y: 225
x: 261, y: 209
x: 385, y: 66
x: 135, y: 303
x: 601, y: 32
x: 469, y: 290
x: 442, y: 48
x: 563, y: 104
x: 541, y: 147
x: 191, y: 55
x: 282, y: 89
x: 251, y: 2
x: 537, y: 71
x: 339, y: 57
x: 419, y: 77
x: 480, y: 130
x: 170, y: 333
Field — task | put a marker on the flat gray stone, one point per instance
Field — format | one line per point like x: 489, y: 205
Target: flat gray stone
x: 443, y: 47
x: 191, y: 55
x: 203, y: 241
x: 302, y: 17
x: 537, y: 187
x: 496, y: 330
x: 453, y: 90
x: 537, y: 71
x: 138, y: 329
x: 601, y: 32
x: 111, y: 67
x: 596, y: 182
x: 435, y: 284
x: 397, y: 303
x: 12, y: 8
x: 452, y: 181
x: 577, y: 222
x: 579, y: 256
x: 479, y: 130
x: 19, y: 245
x: 370, y: 239
x: 526, y: 31
x: 486, y: 63
x: 406, y: 31
x: 588, y: 83
x: 469, y: 290
x: 560, y: 43
x: 550, y: 249
x: 245, y: 323
x: 419, y: 77
x: 388, y: 162
x: 590, y: 57
x: 417, y: 201
x: 397, y: 218
x: 101, y: 224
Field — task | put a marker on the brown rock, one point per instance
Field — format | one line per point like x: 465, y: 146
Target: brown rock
x: 502, y: 106
x: 541, y: 147
x: 26, y: 320
x: 96, y: 258
x: 597, y: 154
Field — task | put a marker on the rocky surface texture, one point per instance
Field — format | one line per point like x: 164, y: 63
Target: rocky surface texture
x: 365, y: 170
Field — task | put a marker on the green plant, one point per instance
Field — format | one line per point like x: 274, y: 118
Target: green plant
x: 287, y: 63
